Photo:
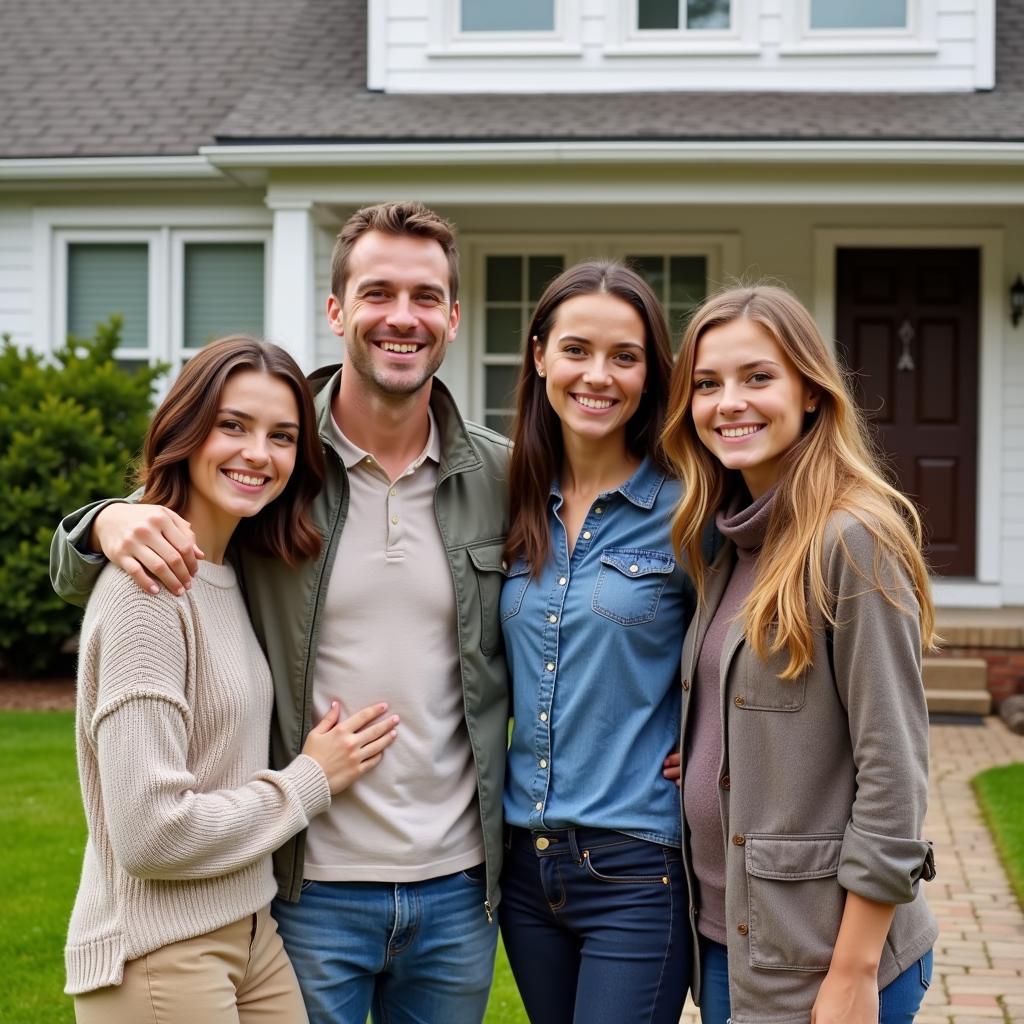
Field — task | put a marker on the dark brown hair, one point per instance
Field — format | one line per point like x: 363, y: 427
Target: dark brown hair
x: 398, y: 218
x: 537, y: 434
x: 283, y: 529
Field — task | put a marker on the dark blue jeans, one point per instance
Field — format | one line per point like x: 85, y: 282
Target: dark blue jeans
x: 898, y: 1002
x: 595, y: 927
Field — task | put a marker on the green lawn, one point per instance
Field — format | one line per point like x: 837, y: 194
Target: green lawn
x: 42, y: 834
x: 1000, y: 793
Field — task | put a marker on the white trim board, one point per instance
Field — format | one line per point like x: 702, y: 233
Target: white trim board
x: 992, y: 317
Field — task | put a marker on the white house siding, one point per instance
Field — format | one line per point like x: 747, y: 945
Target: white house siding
x: 16, y: 278
x: 413, y: 49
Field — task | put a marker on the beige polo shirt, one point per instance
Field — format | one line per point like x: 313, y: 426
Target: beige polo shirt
x: 389, y: 633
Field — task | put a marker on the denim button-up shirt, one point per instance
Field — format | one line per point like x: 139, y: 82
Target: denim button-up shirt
x: 593, y: 646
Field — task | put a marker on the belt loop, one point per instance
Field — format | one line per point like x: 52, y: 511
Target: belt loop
x: 574, y: 849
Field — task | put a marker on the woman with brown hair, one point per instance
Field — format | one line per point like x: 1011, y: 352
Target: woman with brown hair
x: 593, y: 611
x: 171, y: 921
x: 806, y: 732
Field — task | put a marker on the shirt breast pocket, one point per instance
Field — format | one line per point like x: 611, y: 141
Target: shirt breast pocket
x: 517, y: 579
x: 630, y: 583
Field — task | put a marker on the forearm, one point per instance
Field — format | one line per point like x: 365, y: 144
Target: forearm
x: 862, y: 934
x: 74, y: 561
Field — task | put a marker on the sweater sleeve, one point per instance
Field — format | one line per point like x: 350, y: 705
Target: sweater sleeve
x: 160, y: 824
x: 877, y: 663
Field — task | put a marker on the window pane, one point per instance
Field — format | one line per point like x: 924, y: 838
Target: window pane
x: 105, y: 279
x: 502, y: 16
x: 501, y: 422
x: 223, y: 290
x: 500, y: 386
x: 707, y: 14
x: 652, y: 270
x: 657, y: 14
x: 542, y: 271
x: 858, y: 13
x: 687, y: 279
x: 504, y: 330
x: 504, y: 279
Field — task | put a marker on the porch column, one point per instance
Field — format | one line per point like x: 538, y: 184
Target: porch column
x: 292, y: 299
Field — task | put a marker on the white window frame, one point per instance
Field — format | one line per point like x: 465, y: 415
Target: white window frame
x: 720, y: 249
x: 918, y: 36
x: 446, y: 38
x: 624, y: 39
x: 186, y: 236
x: 156, y: 313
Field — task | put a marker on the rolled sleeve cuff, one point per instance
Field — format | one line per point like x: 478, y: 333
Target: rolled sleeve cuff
x: 885, y: 869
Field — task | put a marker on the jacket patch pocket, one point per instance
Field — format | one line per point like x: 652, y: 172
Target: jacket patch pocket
x: 795, y: 902
x: 489, y: 570
x: 630, y: 584
x: 763, y: 690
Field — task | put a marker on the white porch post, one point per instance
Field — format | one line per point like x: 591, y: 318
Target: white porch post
x: 292, y: 300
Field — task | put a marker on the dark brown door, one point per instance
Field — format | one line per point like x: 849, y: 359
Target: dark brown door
x: 907, y: 326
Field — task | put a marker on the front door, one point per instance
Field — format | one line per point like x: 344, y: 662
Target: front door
x: 907, y: 326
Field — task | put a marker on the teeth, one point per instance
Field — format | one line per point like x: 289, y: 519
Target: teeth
x: 739, y: 431
x: 394, y: 346
x: 243, y: 478
x: 594, y: 403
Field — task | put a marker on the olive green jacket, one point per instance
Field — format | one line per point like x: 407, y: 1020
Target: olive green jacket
x: 286, y: 604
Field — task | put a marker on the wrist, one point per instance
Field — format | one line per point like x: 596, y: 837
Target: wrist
x: 853, y: 965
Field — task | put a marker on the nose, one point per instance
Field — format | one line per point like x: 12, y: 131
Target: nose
x: 731, y: 399
x: 255, y: 452
x: 400, y: 315
x: 596, y: 372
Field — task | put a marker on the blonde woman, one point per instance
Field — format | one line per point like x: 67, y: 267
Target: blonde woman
x: 805, y: 732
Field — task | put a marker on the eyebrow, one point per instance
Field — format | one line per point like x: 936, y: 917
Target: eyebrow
x: 745, y: 366
x: 239, y: 415
x: 618, y: 344
x: 383, y: 282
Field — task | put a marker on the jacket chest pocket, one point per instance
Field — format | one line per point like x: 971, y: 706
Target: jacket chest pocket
x: 490, y: 574
x: 630, y: 583
x: 795, y: 902
x: 759, y: 688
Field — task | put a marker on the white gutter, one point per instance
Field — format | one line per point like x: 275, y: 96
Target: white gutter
x: 107, y: 168
x: 636, y: 152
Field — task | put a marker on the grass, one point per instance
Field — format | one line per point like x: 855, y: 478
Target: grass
x: 42, y: 836
x: 1000, y: 793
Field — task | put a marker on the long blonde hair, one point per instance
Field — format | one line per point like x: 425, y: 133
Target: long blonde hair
x: 831, y: 467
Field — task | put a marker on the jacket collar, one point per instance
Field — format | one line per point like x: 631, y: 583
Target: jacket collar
x: 457, y: 451
x: 641, y: 488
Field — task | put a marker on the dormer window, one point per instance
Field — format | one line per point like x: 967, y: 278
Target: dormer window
x: 683, y: 15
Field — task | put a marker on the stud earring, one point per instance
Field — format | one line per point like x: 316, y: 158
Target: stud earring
x: 540, y: 372
x: 810, y: 408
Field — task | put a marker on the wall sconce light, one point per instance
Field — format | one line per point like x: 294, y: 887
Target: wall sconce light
x: 1016, y: 301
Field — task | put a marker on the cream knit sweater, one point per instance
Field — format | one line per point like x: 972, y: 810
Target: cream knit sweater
x: 174, y: 704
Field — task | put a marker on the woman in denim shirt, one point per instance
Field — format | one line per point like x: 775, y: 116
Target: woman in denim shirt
x: 594, y: 608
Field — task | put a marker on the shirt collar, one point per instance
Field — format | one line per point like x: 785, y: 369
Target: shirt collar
x: 352, y: 455
x: 641, y: 488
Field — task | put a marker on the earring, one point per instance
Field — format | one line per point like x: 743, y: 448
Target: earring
x: 540, y: 372
x: 810, y: 408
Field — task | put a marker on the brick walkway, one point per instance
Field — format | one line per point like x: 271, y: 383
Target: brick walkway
x: 979, y: 958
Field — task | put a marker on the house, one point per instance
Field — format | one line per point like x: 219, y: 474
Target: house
x: 189, y: 163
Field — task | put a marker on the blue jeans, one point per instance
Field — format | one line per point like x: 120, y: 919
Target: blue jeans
x: 898, y: 1002
x: 595, y: 926
x: 409, y: 953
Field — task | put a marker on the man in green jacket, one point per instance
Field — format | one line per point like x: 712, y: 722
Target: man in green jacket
x: 386, y: 902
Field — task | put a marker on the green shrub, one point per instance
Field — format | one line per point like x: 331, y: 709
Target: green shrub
x: 69, y: 429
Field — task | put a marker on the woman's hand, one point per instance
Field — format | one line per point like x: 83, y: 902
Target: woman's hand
x: 672, y: 768
x: 846, y: 997
x: 350, y: 748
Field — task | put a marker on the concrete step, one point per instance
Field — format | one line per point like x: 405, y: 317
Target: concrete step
x: 955, y: 674
x: 962, y: 702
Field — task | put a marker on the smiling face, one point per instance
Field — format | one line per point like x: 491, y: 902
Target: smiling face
x: 594, y: 363
x: 395, y: 315
x: 247, y: 458
x: 749, y: 401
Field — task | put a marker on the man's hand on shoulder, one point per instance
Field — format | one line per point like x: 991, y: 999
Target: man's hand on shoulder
x: 150, y: 543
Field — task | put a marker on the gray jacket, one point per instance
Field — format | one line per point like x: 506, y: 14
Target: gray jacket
x: 823, y: 787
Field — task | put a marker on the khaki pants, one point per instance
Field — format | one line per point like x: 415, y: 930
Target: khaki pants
x: 238, y: 974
